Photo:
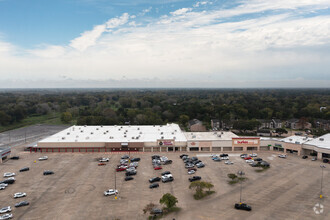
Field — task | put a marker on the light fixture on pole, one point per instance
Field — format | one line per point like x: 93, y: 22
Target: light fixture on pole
x: 241, y: 173
x: 322, y: 167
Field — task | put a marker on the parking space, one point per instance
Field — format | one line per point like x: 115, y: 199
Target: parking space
x: 288, y: 190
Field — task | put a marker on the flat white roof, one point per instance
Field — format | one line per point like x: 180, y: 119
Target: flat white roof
x: 118, y: 133
x: 296, y: 139
x: 209, y: 136
x: 321, y: 142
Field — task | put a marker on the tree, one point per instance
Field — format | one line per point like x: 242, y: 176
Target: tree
x: 183, y: 119
x: 169, y: 200
x: 199, y: 186
x: 149, y: 207
x: 66, y: 117
x: 281, y: 131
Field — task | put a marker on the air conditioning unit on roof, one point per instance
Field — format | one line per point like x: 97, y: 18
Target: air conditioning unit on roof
x: 321, y: 139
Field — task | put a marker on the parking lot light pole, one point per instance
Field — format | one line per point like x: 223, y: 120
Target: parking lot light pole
x: 322, y: 167
x: 241, y: 173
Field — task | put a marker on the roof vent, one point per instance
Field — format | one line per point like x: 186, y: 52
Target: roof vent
x: 290, y: 139
x: 321, y: 139
x: 92, y: 133
x: 63, y: 138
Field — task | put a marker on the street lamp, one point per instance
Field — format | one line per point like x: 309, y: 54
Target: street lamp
x: 241, y: 173
x: 322, y: 167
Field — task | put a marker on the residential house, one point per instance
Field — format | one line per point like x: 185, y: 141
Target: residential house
x: 322, y: 124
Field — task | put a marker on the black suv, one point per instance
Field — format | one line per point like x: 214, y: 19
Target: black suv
x: 128, y: 178
x: 154, y: 185
x: 223, y: 155
x: 183, y: 155
x: 195, y: 178
x: 130, y: 173
x: 24, y: 169
x: 243, y: 206
x: 167, y: 162
x: 258, y: 159
x: 155, y: 157
x: 135, y: 159
x: 155, y: 179
x: 8, y: 181
x: 48, y: 172
x: 15, y: 158
x: 166, y: 173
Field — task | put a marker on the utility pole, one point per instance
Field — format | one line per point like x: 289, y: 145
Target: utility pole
x: 322, y: 167
x: 241, y: 173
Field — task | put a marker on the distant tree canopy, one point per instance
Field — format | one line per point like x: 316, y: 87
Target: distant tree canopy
x: 150, y: 106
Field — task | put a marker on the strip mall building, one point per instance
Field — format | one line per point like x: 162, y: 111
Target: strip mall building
x: 163, y: 138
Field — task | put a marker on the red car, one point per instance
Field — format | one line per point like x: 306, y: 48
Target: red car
x: 102, y: 164
x: 194, y: 169
x: 158, y: 168
x: 247, y: 158
x: 120, y: 169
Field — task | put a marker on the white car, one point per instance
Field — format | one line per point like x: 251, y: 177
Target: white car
x: 253, y: 155
x: 191, y: 172
x: 19, y: 195
x: 282, y: 156
x: 8, y: 174
x: 104, y: 160
x: 249, y: 161
x: 43, y: 158
x: 11, y: 178
x: 228, y: 162
x: 5, y: 209
x: 6, y: 216
x: 224, y: 158
x: 110, y: 192
x: 3, y: 184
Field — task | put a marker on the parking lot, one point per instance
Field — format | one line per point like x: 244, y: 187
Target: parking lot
x: 288, y: 190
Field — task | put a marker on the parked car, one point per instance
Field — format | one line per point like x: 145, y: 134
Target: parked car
x: 249, y: 161
x: 130, y: 173
x: 224, y: 155
x: 110, y: 192
x: 24, y: 169
x: 191, y: 172
x: 243, y: 155
x: 43, y: 158
x: 217, y: 159
x: 154, y: 185
x: 195, y: 178
x: 265, y: 164
x: 8, y: 174
x: 2, y: 187
x: 125, y: 157
x: 128, y: 178
x: 23, y: 203
x: 187, y: 166
x: 6, y: 216
x: 167, y: 162
x: 282, y: 156
x: 304, y: 157
x: 15, y: 158
x: 326, y: 160
x: 158, y: 168
x: 224, y: 158
x: 101, y: 164
x: 5, y: 209
x: 253, y: 155
x: 200, y: 165
x: 247, y: 158
x: 254, y: 164
x: 156, y: 211
x: 228, y: 162
x: 243, y: 206
x: 183, y: 155
x: 8, y: 181
x: 48, y: 172
x: 135, y: 159
x: 155, y: 157
x: 168, y: 178
x: 194, y: 158
x: 166, y: 173
x: 257, y: 159
x: 118, y: 169
x: 314, y: 159
x: 104, y: 160
x: 193, y: 168
x: 19, y: 195
x: 154, y: 179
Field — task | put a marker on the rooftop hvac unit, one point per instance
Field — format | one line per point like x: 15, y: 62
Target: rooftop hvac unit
x: 161, y: 132
x: 133, y: 137
x: 107, y: 131
x: 63, y: 138
x: 215, y: 133
x: 219, y: 135
x: 221, y: 132
x: 321, y: 139
x: 172, y: 132
x: 290, y: 139
x: 92, y: 133
x: 87, y: 138
x: 85, y: 125
x: 194, y: 136
x: 121, y: 126
x: 97, y: 129
x: 101, y: 126
x: 82, y: 131
x: 77, y: 136
x: 68, y: 133
x: 124, y: 136
x: 162, y: 137
x: 137, y: 137
x: 104, y: 132
x: 297, y: 142
x: 138, y: 128
x: 126, y: 131
x: 76, y: 140
x: 174, y: 138
x: 140, y: 132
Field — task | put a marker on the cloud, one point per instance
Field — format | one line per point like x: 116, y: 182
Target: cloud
x: 89, y: 38
x: 188, y: 47
x: 145, y: 11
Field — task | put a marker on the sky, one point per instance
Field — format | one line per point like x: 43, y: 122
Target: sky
x: 165, y: 44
